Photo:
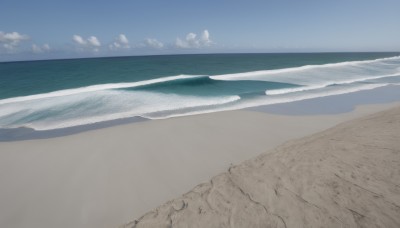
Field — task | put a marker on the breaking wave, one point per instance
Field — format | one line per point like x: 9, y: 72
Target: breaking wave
x: 193, y: 94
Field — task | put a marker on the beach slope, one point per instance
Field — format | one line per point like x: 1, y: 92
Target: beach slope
x: 347, y: 176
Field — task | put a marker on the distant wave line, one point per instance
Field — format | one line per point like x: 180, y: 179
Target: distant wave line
x: 313, y: 87
x: 244, y: 75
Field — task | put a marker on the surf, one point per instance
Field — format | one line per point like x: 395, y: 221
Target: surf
x: 190, y: 94
x: 94, y: 88
x: 260, y: 75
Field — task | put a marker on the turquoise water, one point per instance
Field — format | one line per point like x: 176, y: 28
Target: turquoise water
x: 55, y: 94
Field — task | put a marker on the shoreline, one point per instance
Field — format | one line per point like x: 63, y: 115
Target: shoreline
x: 24, y: 133
x: 335, y: 104
x: 104, y: 177
x: 329, y: 105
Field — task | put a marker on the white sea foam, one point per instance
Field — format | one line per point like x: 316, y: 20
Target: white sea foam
x: 318, y: 76
x: 94, y: 88
x: 296, y: 75
x: 263, y: 73
x: 306, y: 96
x: 261, y: 101
x: 287, y: 98
x: 100, y: 106
x: 293, y: 90
x: 97, y: 103
x: 111, y: 105
x: 313, y: 87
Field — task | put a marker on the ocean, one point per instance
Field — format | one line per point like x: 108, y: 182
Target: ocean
x: 56, y: 94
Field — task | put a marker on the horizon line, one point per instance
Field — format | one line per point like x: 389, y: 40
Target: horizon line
x: 212, y: 53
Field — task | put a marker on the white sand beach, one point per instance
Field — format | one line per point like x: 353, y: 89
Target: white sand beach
x: 347, y: 176
x: 108, y: 177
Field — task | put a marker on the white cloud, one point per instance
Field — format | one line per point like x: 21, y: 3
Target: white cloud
x: 153, y: 43
x: 11, y: 40
x: 46, y: 47
x: 114, y: 46
x: 90, y: 43
x: 205, y: 38
x: 36, y: 49
x: 121, y: 41
x: 192, y: 41
x: 79, y: 40
x: 94, y: 41
x: 40, y: 49
x: 12, y: 37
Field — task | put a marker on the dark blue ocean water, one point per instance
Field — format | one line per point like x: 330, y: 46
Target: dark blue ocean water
x: 60, y: 93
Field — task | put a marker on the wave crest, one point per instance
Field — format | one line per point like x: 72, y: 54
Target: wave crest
x: 95, y: 88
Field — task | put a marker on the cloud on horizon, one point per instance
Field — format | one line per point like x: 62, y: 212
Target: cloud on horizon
x: 40, y: 49
x: 193, y: 41
x: 121, y: 42
x: 91, y: 43
x: 153, y: 43
x: 11, y: 40
x: 16, y: 45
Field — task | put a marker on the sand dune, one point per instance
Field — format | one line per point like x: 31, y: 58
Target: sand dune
x: 347, y: 176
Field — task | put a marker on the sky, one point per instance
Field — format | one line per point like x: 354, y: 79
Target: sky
x: 47, y: 29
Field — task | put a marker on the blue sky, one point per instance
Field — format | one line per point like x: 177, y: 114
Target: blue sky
x: 43, y: 29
